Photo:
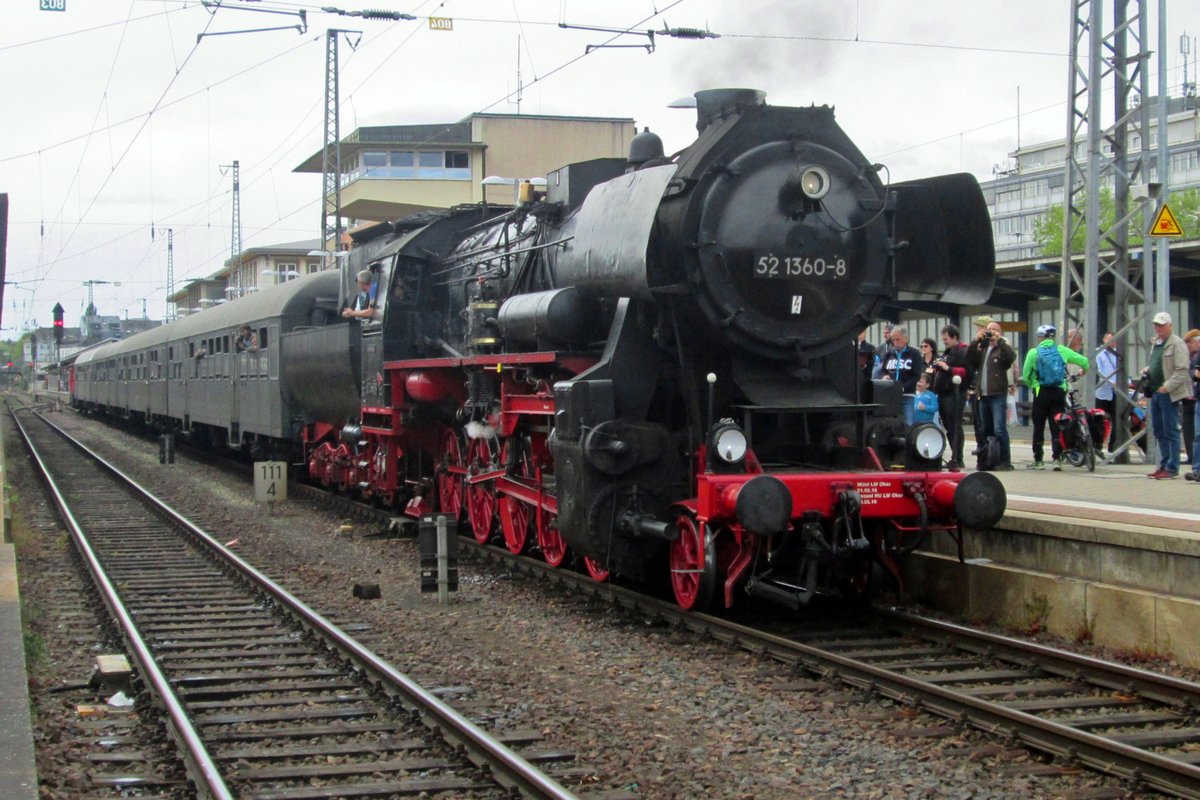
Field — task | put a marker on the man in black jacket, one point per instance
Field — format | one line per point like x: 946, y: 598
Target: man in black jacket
x: 951, y: 378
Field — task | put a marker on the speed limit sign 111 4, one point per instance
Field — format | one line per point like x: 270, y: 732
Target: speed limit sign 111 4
x: 270, y: 481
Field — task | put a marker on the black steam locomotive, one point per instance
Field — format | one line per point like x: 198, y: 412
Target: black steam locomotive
x: 651, y: 366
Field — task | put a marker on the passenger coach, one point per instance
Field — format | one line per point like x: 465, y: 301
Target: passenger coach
x: 187, y: 376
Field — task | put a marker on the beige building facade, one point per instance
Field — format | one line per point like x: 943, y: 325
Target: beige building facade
x: 391, y: 171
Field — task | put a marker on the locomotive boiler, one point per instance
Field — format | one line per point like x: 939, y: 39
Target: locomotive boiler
x: 651, y: 366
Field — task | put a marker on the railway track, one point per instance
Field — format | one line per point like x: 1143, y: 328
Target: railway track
x: 262, y: 696
x: 1115, y: 719
x: 1130, y: 723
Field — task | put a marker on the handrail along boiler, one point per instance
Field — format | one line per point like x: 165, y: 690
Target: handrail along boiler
x: 654, y: 365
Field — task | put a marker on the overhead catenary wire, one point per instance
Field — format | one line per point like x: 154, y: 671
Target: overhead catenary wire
x: 128, y: 147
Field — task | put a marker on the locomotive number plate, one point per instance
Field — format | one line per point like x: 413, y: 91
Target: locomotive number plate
x: 772, y: 266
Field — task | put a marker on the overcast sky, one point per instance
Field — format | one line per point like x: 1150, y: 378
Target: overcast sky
x: 117, y: 121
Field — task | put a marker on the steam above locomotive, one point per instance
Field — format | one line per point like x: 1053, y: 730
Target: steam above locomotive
x: 652, y: 366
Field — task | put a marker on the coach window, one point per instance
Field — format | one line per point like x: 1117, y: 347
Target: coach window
x: 264, y: 342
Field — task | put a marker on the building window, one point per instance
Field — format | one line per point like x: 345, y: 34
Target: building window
x: 445, y: 165
x: 375, y: 165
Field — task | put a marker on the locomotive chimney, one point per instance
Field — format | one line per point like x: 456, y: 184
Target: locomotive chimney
x: 712, y: 104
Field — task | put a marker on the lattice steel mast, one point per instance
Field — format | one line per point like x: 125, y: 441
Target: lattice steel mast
x: 331, y: 153
x: 1106, y: 255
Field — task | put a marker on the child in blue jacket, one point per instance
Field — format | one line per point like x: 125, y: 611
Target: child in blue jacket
x: 925, y: 404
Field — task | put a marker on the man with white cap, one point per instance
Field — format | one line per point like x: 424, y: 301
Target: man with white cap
x: 364, y: 302
x: 1167, y: 384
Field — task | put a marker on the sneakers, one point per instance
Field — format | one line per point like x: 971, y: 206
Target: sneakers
x: 955, y: 466
x: 1164, y: 475
x: 1192, y: 476
x: 1035, y: 465
x: 1058, y: 463
x: 1004, y: 468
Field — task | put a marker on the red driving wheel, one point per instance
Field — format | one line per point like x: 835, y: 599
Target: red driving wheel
x: 481, y: 497
x: 516, y: 515
x: 449, y: 475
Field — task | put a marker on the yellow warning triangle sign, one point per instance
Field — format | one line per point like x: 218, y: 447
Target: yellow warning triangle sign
x: 1165, y: 223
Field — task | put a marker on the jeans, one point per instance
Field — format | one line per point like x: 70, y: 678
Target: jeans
x: 993, y: 419
x: 1164, y: 419
x: 1196, y: 441
x: 909, y: 408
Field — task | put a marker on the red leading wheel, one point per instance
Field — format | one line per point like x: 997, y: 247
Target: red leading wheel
x: 516, y: 515
x: 450, y: 482
x: 554, y: 547
x: 481, y: 497
x: 693, y: 566
x: 595, y: 569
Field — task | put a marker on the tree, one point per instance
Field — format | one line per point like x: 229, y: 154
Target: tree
x: 1048, y: 228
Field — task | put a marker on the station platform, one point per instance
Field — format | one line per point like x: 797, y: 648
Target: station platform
x: 1110, y: 556
x: 18, y: 770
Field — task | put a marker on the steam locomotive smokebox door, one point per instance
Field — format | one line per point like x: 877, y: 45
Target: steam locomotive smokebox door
x: 427, y: 546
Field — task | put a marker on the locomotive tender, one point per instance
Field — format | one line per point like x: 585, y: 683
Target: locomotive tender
x: 653, y: 366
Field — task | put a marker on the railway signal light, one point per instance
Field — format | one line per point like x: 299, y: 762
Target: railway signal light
x: 58, y: 323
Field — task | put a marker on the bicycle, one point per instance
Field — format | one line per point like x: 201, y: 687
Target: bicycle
x: 1077, y: 430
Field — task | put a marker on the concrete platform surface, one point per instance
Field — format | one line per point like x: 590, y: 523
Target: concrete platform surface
x: 18, y: 772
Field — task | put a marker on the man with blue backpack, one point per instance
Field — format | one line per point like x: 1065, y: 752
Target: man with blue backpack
x: 1045, y: 373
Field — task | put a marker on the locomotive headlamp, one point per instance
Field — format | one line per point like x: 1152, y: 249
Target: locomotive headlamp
x: 814, y: 182
x: 729, y: 442
x: 927, y: 442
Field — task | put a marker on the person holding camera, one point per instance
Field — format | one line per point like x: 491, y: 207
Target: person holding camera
x: 1167, y: 383
x: 992, y: 357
